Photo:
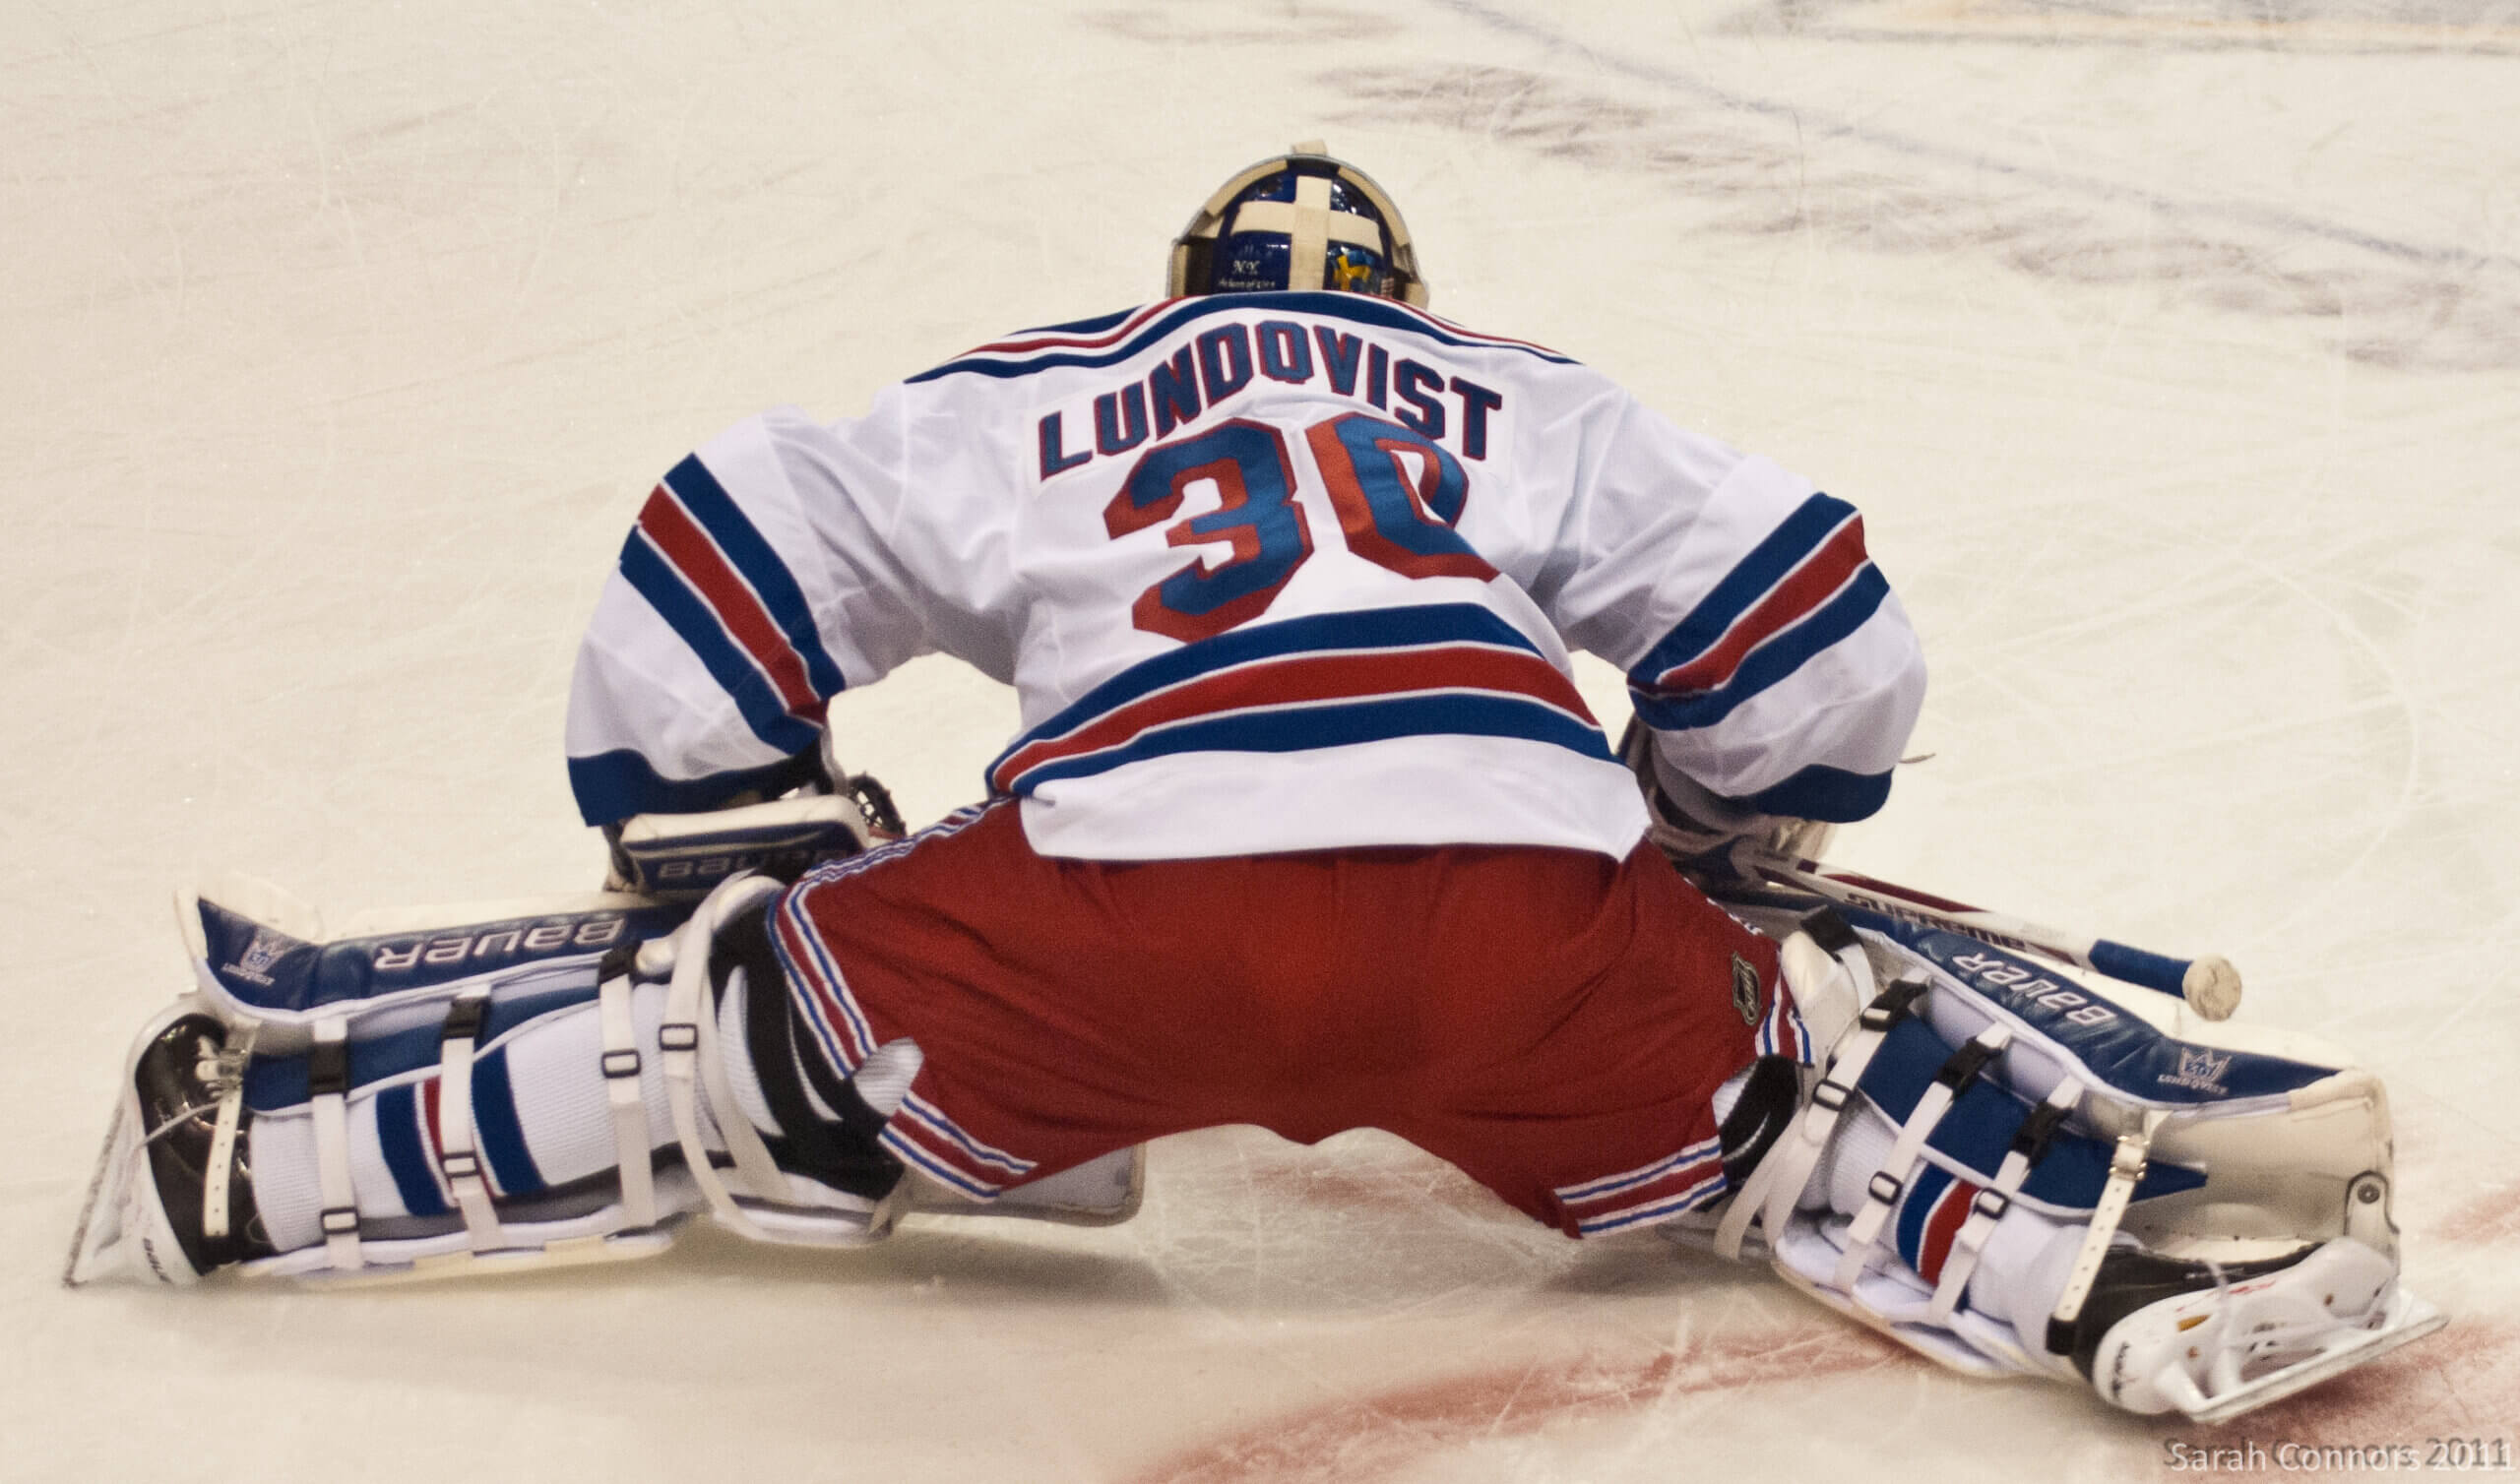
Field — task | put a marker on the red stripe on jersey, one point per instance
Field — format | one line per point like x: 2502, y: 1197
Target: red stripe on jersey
x: 1073, y: 341
x: 827, y: 1000
x: 697, y: 558
x: 1943, y: 1223
x: 1305, y: 678
x: 1784, y: 1024
x: 1465, y: 333
x: 940, y: 1147
x: 1803, y: 591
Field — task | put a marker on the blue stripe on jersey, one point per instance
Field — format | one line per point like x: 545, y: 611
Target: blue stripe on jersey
x: 759, y: 565
x: 1323, y: 633
x: 612, y: 787
x: 494, y: 1120
x: 397, y: 1133
x: 1750, y: 580
x: 1771, y: 662
x: 1819, y: 792
x: 1304, y: 727
x: 1358, y: 309
x: 755, y: 697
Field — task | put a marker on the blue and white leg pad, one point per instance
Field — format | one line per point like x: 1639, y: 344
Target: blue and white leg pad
x: 387, y: 1057
x: 1983, y: 1128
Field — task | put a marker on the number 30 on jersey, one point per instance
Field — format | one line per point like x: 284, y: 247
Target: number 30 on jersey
x: 1388, y: 517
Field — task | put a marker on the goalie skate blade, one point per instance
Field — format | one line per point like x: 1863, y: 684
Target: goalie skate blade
x: 2410, y: 1318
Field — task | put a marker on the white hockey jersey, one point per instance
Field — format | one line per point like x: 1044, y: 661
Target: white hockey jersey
x: 1268, y: 572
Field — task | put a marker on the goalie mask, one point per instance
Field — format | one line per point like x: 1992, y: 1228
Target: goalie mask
x: 1299, y: 220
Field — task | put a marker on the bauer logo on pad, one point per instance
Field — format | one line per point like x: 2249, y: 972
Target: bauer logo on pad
x: 1746, y: 990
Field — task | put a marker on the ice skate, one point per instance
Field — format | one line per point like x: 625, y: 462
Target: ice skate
x: 2160, y: 1334
x: 173, y: 1196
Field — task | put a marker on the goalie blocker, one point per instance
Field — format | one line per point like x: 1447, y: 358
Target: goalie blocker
x: 2015, y: 1174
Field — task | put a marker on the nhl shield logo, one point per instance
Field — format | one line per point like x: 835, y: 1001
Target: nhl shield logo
x: 1746, y: 990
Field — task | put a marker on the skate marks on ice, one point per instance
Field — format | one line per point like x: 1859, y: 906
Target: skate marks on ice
x: 2465, y: 1383
x: 1547, y: 1358
x: 2490, y: 1216
x: 1245, y: 26
x: 1389, y: 1434
x: 2357, y: 26
x: 1772, y: 170
x: 1767, y: 167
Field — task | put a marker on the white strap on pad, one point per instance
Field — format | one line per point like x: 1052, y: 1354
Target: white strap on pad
x: 327, y: 1084
x: 621, y: 1065
x: 2125, y: 1168
x: 231, y: 1117
x: 688, y: 1042
x: 1778, y: 1180
x: 1890, y: 1181
x: 459, y: 1149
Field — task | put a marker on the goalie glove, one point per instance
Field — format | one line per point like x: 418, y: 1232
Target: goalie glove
x: 1699, y: 829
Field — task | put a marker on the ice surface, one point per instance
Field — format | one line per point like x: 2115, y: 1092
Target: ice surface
x: 2172, y: 347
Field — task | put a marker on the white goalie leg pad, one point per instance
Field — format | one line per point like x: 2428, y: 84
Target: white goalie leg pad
x: 366, y: 1181
x: 2002, y: 1098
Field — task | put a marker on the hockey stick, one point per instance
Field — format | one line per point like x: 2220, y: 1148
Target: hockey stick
x: 2210, y: 985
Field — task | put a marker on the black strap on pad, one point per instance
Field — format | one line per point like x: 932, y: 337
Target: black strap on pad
x: 842, y: 1153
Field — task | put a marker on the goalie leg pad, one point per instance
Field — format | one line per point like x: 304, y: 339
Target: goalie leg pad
x: 2014, y: 1173
x: 505, y: 1118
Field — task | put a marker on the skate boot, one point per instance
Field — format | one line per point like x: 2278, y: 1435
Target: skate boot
x: 188, y: 1208
x: 2162, y: 1334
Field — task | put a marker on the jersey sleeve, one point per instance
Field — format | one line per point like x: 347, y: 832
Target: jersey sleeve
x: 759, y: 581
x: 1761, y: 644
